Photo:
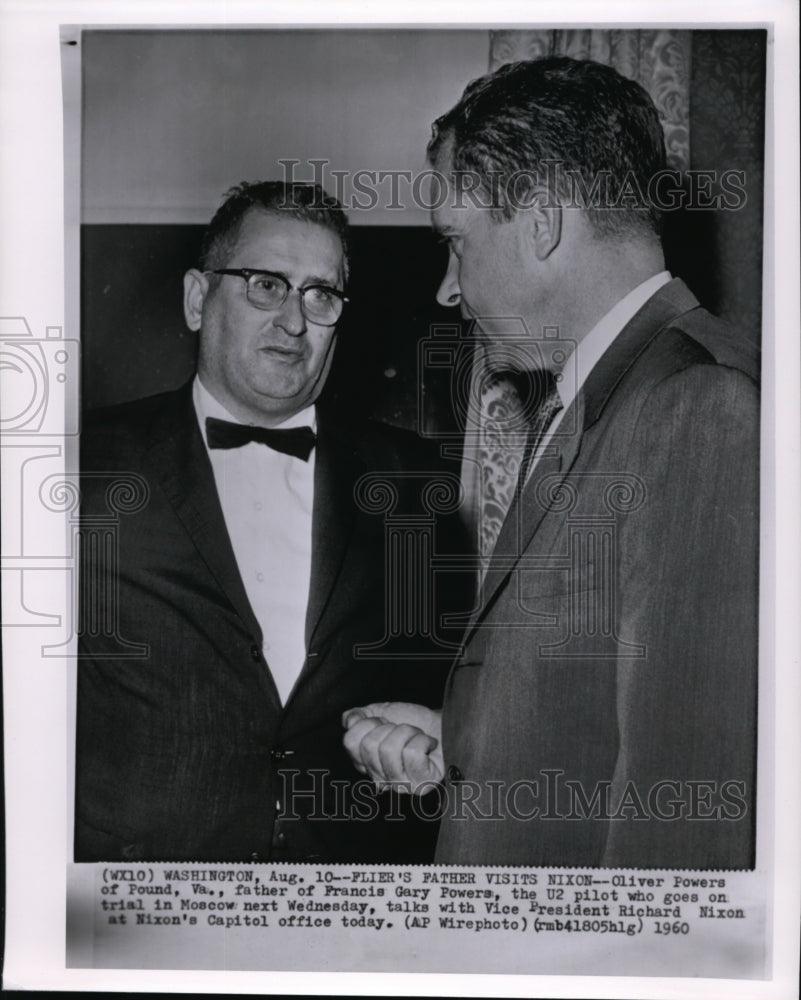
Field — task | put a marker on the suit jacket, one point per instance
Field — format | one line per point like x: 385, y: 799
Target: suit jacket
x: 604, y: 710
x: 184, y: 750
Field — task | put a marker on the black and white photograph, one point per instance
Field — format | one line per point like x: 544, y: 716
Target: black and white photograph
x: 395, y: 508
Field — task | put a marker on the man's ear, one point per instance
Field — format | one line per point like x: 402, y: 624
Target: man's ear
x: 544, y: 225
x: 196, y: 284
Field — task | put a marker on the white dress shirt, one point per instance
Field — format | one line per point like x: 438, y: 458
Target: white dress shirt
x: 267, y: 500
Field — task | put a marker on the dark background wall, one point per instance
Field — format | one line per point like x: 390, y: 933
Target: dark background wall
x: 135, y: 342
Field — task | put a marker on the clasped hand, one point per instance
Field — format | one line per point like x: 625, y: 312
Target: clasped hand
x: 397, y: 744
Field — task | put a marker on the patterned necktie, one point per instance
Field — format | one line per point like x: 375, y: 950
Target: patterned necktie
x: 295, y: 441
x: 549, y: 405
x: 516, y: 411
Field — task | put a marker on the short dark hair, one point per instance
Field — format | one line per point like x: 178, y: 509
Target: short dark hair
x: 297, y: 200
x: 580, y: 114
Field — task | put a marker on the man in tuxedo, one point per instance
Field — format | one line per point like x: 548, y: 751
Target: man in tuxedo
x: 238, y: 606
x: 603, y: 712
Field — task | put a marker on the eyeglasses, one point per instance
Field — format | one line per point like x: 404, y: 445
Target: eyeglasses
x: 266, y: 290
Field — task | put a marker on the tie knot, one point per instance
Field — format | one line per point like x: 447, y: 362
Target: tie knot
x: 295, y: 441
x: 535, y: 388
x: 519, y: 398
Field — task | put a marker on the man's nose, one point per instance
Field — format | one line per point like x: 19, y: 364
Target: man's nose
x: 449, y: 293
x: 289, y: 316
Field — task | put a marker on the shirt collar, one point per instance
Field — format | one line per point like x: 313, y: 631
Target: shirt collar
x: 589, y: 350
x: 207, y: 405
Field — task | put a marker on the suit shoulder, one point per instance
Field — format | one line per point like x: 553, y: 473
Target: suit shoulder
x: 697, y: 400
x: 133, y: 413
x: 704, y: 343
x: 677, y: 379
x: 124, y: 427
x: 725, y: 344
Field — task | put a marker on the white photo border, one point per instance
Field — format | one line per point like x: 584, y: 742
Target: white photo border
x: 39, y: 239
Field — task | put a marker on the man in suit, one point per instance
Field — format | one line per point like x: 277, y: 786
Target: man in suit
x: 603, y: 712
x: 240, y: 606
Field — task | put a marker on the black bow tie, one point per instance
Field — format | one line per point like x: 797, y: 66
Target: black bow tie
x: 296, y: 441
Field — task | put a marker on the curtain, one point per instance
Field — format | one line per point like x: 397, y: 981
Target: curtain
x: 659, y: 60
x: 727, y: 123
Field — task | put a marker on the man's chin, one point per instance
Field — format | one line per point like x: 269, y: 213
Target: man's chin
x: 286, y: 394
x: 280, y: 382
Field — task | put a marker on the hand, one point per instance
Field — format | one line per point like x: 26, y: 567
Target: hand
x: 397, y: 744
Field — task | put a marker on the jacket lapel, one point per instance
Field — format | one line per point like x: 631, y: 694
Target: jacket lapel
x: 524, y: 517
x: 670, y: 302
x: 526, y: 512
x: 337, y: 468
x: 179, y: 458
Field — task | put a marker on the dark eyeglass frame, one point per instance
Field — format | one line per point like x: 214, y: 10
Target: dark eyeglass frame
x: 246, y: 273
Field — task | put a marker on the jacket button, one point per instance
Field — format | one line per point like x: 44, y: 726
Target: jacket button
x: 254, y: 856
x: 454, y: 773
x: 255, y: 652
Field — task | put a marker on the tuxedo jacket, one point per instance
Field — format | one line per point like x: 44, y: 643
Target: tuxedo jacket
x: 184, y: 749
x: 604, y: 710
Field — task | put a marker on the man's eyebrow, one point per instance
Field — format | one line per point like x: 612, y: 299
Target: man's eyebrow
x: 316, y: 280
x: 312, y: 279
x: 268, y: 270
